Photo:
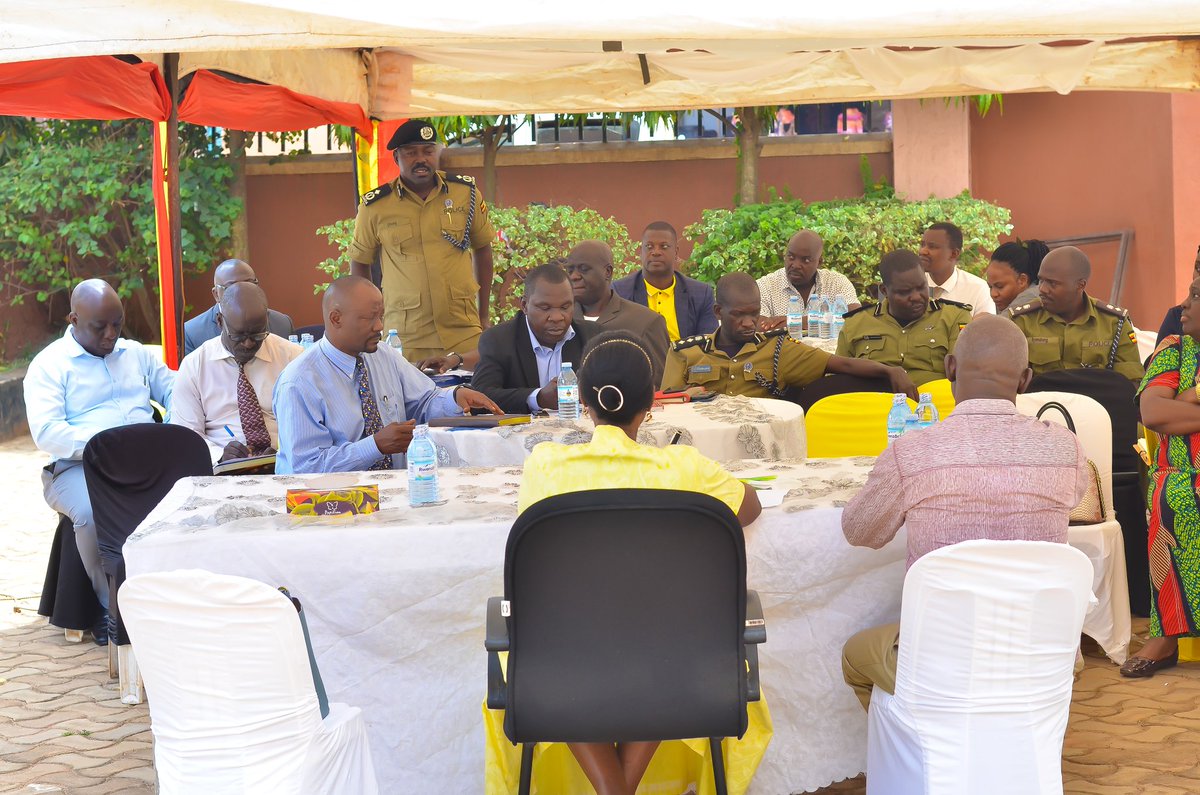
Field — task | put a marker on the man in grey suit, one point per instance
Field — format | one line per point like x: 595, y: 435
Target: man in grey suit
x: 590, y: 269
x: 203, y: 327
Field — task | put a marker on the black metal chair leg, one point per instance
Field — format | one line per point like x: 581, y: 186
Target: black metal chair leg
x: 526, y: 768
x: 718, y: 763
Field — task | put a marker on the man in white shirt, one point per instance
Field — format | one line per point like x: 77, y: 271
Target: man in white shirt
x: 87, y: 381
x: 801, y: 275
x: 224, y: 387
x: 941, y: 246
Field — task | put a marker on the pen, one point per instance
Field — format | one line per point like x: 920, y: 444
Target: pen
x: 230, y: 432
x: 675, y: 438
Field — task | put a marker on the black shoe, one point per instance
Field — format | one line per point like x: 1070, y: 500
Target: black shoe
x: 103, y: 629
x: 1140, y: 667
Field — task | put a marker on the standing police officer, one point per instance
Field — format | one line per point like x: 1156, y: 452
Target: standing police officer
x: 1067, y: 329
x: 434, y: 239
x: 907, y: 329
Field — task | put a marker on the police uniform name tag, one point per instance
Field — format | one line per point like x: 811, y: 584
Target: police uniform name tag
x: 1040, y: 340
x: 700, y: 369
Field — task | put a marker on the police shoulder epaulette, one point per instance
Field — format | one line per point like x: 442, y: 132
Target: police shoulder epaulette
x: 862, y: 308
x: 1110, y: 309
x: 691, y: 342
x: 464, y: 179
x: 1024, y: 309
x: 372, y: 196
x: 775, y: 332
x: 948, y: 302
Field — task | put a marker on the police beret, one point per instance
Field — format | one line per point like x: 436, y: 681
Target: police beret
x: 413, y: 131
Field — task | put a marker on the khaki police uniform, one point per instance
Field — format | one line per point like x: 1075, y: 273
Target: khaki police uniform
x: 765, y: 367
x: 1102, y: 337
x: 920, y: 347
x: 429, y: 290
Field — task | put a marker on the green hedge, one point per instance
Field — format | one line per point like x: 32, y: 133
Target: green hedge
x: 857, y: 232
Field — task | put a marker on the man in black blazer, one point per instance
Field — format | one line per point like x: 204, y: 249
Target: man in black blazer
x: 519, y: 360
x: 203, y: 327
x: 690, y: 310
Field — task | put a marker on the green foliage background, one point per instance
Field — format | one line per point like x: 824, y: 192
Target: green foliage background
x: 76, y: 203
x: 527, y: 237
x: 857, y: 232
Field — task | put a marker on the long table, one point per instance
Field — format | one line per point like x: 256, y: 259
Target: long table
x: 395, y: 604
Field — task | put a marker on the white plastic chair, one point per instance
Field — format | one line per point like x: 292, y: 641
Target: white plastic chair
x: 233, y: 707
x: 988, y: 632
x: 1092, y: 425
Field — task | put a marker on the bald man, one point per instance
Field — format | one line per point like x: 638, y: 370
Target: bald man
x: 223, y: 390
x: 801, y: 276
x: 1069, y: 330
x: 349, y: 403
x: 87, y: 381
x: 204, y: 327
x: 985, y: 471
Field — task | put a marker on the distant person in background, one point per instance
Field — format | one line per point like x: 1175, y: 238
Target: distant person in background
x: 520, y: 359
x: 617, y: 388
x: 907, y: 329
x: 87, y: 381
x: 1067, y: 329
x: 590, y: 267
x: 224, y: 391
x: 1172, y: 325
x: 685, y: 303
x: 802, y: 276
x: 204, y: 327
x: 941, y: 246
x: 1012, y: 274
x: 349, y: 403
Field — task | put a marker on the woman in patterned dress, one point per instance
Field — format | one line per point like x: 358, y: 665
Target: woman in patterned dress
x: 1170, y: 404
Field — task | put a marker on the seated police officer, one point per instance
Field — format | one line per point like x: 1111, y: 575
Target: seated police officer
x: 1067, y: 329
x: 906, y: 329
x: 739, y: 360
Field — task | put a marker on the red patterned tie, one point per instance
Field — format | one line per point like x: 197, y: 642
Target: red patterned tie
x: 250, y: 413
x: 372, y: 422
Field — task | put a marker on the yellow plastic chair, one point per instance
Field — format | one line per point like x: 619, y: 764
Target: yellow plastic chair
x: 943, y: 398
x: 853, y: 424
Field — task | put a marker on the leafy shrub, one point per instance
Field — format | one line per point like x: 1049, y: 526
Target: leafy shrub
x: 526, y: 237
x: 857, y: 232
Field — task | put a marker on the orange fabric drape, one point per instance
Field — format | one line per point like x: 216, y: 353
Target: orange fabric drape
x: 94, y: 87
x: 215, y: 101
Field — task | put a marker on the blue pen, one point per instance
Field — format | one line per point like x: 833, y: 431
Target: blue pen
x: 230, y: 432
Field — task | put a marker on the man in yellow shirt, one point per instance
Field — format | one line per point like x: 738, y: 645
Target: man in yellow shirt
x: 685, y: 304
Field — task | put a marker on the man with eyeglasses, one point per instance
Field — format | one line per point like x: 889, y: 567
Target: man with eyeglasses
x: 223, y: 391
x: 203, y: 327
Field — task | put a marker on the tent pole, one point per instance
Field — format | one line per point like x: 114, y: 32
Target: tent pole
x: 172, y: 283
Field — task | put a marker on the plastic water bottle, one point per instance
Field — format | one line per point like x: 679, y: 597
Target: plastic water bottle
x: 897, y: 416
x: 795, y: 317
x: 306, y: 340
x: 568, y: 393
x: 294, y: 339
x: 911, y: 422
x: 814, y: 315
x: 422, y: 469
x: 393, y: 339
x: 838, y: 321
x: 927, y: 413
x: 826, y: 317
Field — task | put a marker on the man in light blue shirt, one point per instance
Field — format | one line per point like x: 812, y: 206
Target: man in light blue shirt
x: 87, y: 381
x: 328, y: 400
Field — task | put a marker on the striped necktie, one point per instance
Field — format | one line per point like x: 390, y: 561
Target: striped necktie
x: 372, y: 422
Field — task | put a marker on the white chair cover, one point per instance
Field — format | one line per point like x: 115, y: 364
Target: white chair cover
x: 988, y: 633
x: 1092, y: 425
x: 232, y: 703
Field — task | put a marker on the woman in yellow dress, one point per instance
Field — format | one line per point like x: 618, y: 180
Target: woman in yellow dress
x: 616, y: 389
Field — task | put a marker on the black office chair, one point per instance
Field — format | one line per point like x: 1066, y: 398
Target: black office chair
x: 836, y: 384
x: 128, y: 471
x: 68, y: 600
x: 1117, y: 394
x: 626, y: 618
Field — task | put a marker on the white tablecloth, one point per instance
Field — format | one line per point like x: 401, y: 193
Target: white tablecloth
x: 395, y: 604
x: 724, y: 428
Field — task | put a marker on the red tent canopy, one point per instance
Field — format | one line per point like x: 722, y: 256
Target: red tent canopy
x: 105, y: 87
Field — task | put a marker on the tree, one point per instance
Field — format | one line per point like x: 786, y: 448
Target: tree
x: 76, y: 203
x: 491, y: 132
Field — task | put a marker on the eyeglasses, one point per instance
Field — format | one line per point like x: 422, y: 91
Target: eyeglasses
x: 238, y: 339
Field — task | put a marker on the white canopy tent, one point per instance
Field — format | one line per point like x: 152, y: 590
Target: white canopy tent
x: 484, y: 56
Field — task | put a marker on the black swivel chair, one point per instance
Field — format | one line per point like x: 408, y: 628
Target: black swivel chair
x: 1117, y: 394
x: 626, y: 618
x: 128, y: 471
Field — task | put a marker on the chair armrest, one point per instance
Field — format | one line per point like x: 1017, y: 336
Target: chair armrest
x: 496, y: 641
x: 496, y: 638
x: 756, y: 625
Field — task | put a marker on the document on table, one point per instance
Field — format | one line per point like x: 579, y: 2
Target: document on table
x: 770, y: 494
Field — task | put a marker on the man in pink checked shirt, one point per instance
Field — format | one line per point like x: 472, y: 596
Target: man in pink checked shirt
x: 985, y: 471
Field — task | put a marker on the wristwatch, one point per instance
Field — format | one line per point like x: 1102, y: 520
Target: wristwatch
x: 460, y: 359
